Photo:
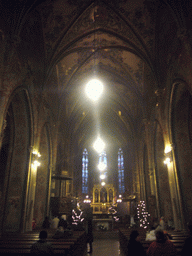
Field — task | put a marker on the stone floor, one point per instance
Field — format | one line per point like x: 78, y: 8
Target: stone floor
x: 106, y: 243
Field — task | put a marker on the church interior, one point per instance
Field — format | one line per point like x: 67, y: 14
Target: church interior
x: 58, y: 146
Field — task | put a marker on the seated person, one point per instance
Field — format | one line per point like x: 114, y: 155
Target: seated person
x: 151, y: 236
x: 186, y: 251
x: 42, y: 247
x: 62, y: 230
x: 162, y: 246
x: 135, y: 247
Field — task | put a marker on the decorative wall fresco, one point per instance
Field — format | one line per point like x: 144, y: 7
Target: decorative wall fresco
x: 59, y: 22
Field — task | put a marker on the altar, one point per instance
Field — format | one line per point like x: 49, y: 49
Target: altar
x: 103, y: 224
x: 103, y: 198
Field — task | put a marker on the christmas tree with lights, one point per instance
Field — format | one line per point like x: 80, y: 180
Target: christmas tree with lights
x: 142, y: 215
x: 77, y: 216
x: 113, y: 211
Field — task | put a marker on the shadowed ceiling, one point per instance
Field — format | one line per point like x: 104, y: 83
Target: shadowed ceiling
x: 112, y: 42
x: 120, y: 42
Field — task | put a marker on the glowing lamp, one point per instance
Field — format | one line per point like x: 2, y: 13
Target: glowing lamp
x: 94, y: 89
x: 101, y: 166
x: 102, y: 176
x: 99, y: 145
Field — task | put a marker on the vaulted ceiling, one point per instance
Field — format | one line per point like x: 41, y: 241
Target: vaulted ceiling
x: 121, y: 42
x: 112, y: 41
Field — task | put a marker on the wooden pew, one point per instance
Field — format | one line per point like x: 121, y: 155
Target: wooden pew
x: 177, y: 238
x: 20, y: 244
x: 178, y: 244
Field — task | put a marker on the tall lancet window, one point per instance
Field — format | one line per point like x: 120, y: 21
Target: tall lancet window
x: 103, y: 166
x: 121, y: 172
x: 103, y: 158
x: 85, y: 172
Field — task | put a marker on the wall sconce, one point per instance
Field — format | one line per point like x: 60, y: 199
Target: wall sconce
x: 119, y: 200
x: 87, y: 200
x: 35, y: 158
x: 168, y: 154
x: 167, y: 160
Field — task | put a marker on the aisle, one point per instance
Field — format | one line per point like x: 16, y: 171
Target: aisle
x: 106, y: 243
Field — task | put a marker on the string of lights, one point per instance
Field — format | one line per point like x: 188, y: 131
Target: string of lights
x: 142, y: 214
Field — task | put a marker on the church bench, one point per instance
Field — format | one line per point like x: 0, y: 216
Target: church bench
x: 21, y: 248
x: 24, y: 244
x: 178, y: 244
x: 124, y: 236
x: 29, y: 239
x: 20, y: 244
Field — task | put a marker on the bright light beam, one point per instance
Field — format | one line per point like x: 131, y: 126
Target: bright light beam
x: 94, y: 89
x: 101, y: 166
x: 102, y: 176
x: 99, y: 145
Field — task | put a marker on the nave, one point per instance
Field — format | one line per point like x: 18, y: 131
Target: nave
x: 106, y: 243
x: 141, y: 52
x: 113, y: 242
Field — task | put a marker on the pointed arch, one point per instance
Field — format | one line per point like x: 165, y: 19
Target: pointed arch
x: 121, y: 183
x: 103, y: 161
x: 85, y: 172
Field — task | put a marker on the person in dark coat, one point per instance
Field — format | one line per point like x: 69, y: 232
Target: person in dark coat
x: 186, y: 251
x: 134, y: 246
x: 88, y: 225
x: 62, y: 223
x: 46, y: 223
x: 162, y: 246
x: 42, y: 247
x: 62, y: 231
x: 89, y: 232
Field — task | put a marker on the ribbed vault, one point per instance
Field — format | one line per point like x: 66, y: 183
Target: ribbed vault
x: 102, y: 43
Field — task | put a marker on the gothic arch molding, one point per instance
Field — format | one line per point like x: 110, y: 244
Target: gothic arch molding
x: 16, y: 144
x: 180, y: 123
x: 43, y: 178
x: 162, y: 176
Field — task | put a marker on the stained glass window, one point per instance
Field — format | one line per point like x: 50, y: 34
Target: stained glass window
x: 121, y: 172
x: 103, y: 165
x: 85, y: 172
x: 103, y: 158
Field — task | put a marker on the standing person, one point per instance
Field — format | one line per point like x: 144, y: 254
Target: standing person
x: 42, y: 247
x: 34, y: 223
x: 46, y: 223
x: 186, y: 251
x: 162, y: 246
x: 161, y: 226
x: 55, y: 222
x: 151, y: 235
x: 89, y: 232
x: 162, y: 223
x: 89, y: 227
x: 134, y: 246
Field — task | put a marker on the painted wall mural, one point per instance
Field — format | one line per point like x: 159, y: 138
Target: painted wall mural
x: 66, y: 21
